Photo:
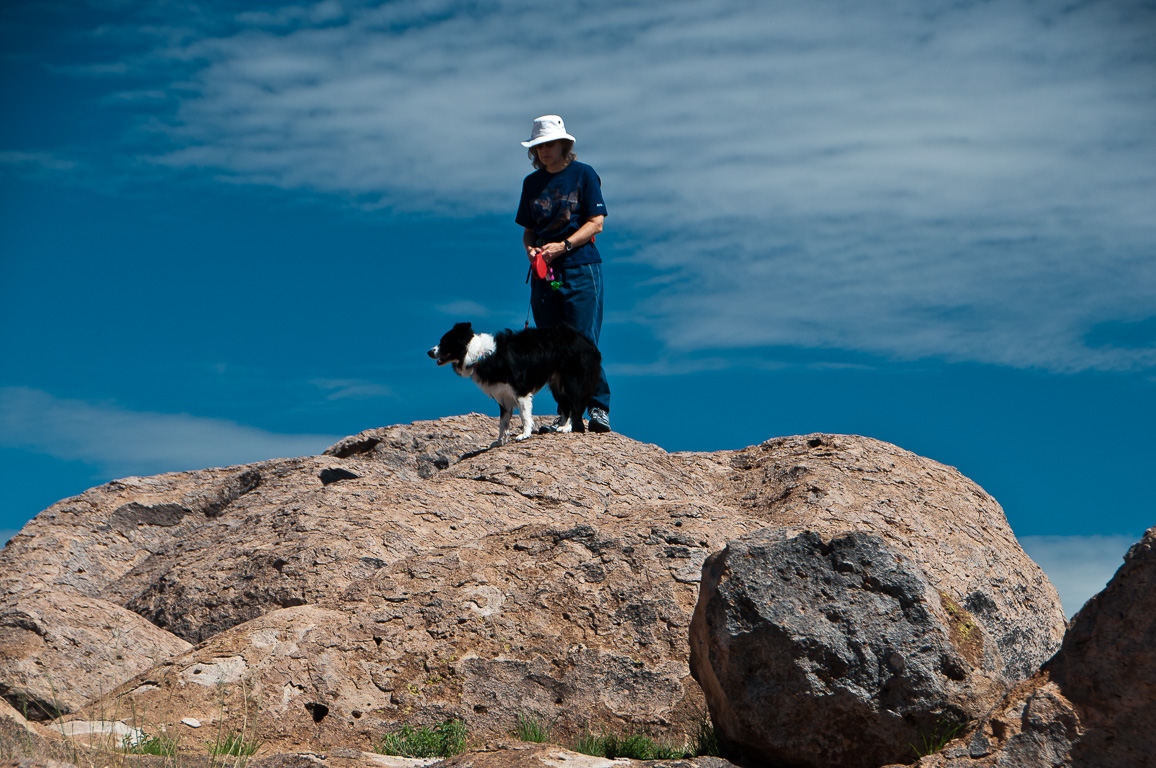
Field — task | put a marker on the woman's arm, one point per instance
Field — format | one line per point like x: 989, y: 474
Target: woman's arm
x: 585, y: 234
x: 528, y: 238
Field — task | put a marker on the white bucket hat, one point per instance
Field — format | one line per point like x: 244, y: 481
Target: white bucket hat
x: 547, y: 128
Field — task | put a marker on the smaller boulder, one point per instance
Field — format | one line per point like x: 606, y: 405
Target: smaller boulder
x: 1107, y: 664
x: 60, y: 650
x: 838, y: 651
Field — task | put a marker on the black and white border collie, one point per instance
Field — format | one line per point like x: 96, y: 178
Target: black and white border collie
x: 513, y: 367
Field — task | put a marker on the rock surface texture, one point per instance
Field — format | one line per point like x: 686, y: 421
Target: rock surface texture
x: 412, y: 574
x: 1092, y: 704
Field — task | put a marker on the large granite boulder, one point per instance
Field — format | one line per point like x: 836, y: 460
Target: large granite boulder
x: 413, y: 573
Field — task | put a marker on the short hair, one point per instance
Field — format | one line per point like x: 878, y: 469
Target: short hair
x: 567, y: 153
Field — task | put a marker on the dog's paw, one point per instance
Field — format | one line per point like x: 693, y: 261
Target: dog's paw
x: 522, y: 437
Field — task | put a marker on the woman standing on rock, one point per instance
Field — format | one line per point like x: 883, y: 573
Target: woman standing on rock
x: 561, y: 211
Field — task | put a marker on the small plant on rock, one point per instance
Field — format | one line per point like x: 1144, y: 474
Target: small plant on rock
x: 160, y: 744
x: 935, y: 738
x: 446, y: 740
x: 705, y: 741
x: 663, y: 749
x: 234, y: 743
x: 636, y: 746
x: 589, y: 744
x: 531, y: 727
x: 241, y: 742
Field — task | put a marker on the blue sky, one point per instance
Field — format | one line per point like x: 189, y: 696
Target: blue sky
x: 228, y: 232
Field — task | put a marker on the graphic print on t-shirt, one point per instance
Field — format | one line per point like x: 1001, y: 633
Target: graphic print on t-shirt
x: 556, y: 208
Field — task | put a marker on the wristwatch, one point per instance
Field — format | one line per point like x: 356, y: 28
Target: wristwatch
x: 569, y: 245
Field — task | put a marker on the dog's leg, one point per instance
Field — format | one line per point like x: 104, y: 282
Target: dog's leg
x: 584, y: 383
x: 504, y: 423
x: 562, y: 396
x: 576, y: 417
x: 565, y: 411
x: 569, y: 400
x: 526, y: 410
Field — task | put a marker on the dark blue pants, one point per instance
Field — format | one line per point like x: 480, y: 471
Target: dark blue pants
x: 578, y: 303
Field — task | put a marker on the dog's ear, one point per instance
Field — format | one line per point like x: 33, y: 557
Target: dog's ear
x: 467, y: 327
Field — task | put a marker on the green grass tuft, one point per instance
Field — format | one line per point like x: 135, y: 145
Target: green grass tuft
x: 446, y: 740
x: 589, y: 744
x: 705, y: 740
x: 531, y: 727
x: 160, y: 744
x: 636, y: 746
x: 234, y: 743
x: 935, y: 738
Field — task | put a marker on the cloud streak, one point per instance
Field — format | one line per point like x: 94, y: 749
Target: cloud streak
x: 120, y: 442
x: 952, y: 181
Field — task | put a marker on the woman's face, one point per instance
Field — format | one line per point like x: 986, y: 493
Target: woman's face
x: 550, y: 153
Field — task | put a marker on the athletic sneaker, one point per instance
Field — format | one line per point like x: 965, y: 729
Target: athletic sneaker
x: 599, y: 420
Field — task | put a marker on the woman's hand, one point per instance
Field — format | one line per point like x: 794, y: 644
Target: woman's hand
x: 551, y: 251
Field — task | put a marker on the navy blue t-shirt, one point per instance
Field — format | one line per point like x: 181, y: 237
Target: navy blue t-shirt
x: 555, y: 205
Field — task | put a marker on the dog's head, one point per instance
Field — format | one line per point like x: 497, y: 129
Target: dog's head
x: 454, y: 346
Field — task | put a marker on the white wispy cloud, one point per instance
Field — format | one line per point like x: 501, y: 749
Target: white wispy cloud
x: 969, y: 182
x: 465, y: 308
x: 37, y: 162
x: 118, y: 442
x: 353, y: 389
x: 1078, y: 566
